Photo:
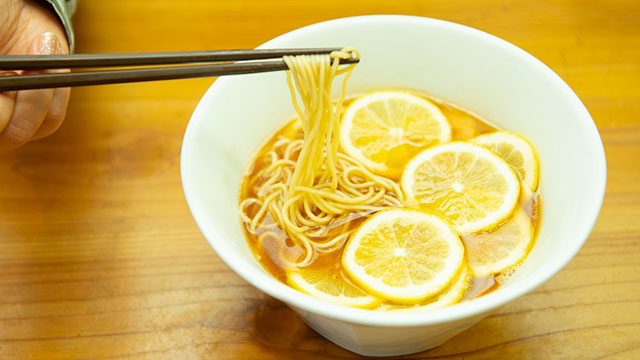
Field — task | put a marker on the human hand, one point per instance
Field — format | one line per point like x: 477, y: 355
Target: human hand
x: 28, y: 27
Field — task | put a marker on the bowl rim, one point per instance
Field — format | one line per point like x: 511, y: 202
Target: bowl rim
x: 479, y: 306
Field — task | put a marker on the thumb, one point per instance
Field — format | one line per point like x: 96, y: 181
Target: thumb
x: 45, y: 44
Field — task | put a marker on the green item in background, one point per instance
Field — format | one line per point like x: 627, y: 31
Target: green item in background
x: 65, y: 9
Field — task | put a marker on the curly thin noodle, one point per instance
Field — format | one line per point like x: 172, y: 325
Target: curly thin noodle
x: 309, y: 185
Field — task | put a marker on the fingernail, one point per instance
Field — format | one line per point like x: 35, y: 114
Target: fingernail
x: 47, y: 44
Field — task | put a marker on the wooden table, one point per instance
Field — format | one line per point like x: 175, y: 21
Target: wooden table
x: 100, y: 258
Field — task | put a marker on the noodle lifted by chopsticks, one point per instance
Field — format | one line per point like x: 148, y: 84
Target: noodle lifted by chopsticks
x: 309, y: 183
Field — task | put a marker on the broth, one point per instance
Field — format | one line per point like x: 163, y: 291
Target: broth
x: 276, y: 246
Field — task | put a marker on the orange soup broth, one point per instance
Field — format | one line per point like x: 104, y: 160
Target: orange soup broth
x: 276, y: 246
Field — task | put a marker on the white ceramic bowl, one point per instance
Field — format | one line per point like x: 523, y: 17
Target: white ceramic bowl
x: 464, y: 66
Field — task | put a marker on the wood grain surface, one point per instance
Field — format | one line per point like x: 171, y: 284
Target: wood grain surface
x: 100, y: 258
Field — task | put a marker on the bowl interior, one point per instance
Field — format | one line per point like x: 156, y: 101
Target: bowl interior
x: 466, y: 67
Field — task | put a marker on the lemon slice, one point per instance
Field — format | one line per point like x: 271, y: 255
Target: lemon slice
x: 403, y: 255
x: 516, y: 151
x: 330, y: 286
x: 386, y: 128
x: 491, y: 253
x: 465, y: 183
x: 525, y: 195
x: 453, y: 294
x: 449, y: 297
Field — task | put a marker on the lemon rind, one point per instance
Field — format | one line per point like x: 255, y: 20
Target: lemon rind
x: 451, y: 295
x: 363, y: 101
x: 358, y: 276
x: 505, y: 211
x: 510, y: 261
x: 296, y: 280
x: 532, y: 182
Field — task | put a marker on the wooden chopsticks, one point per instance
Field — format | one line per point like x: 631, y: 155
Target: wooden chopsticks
x: 227, y: 62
